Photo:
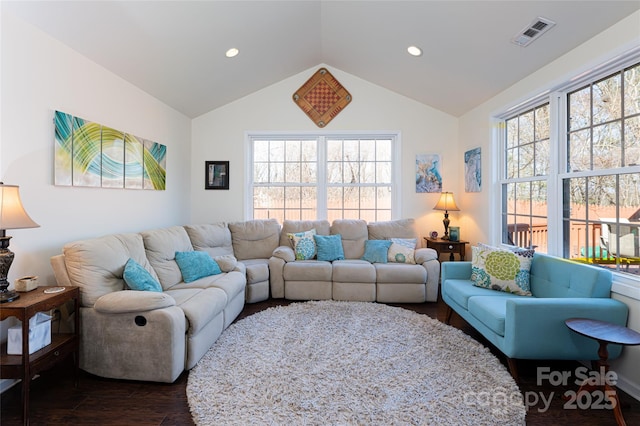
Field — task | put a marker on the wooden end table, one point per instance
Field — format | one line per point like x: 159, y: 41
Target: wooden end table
x: 26, y: 365
x: 446, y: 246
x: 604, y: 333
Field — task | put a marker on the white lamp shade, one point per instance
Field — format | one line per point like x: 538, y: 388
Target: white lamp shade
x: 12, y: 213
x: 446, y: 202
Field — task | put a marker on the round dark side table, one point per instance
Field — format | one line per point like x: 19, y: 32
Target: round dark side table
x: 605, y: 333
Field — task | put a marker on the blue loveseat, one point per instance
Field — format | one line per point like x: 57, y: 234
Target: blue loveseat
x: 532, y: 327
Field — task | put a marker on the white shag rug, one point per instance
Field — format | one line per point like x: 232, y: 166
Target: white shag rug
x: 350, y: 363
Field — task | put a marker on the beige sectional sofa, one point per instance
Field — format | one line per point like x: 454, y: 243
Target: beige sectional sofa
x: 155, y: 335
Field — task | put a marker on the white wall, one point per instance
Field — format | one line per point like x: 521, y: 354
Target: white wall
x: 220, y: 135
x: 40, y: 75
x: 480, y: 219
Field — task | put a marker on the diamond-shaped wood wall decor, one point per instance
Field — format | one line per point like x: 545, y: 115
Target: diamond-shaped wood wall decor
x: 322, y: 97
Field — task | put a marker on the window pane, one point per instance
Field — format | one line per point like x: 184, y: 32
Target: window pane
x: 632, y: 90
x: 308, y: 151
x: 523, y: 198
x: 602, y: 196
x: 276, y: 172
x: 542, y: 157
x: 309, y: 173
x: 309, y: 197
x: 632, y: 141
x: 512, y: 163
x: 383, y: 172
x: 351, y: 171
x: 276, y: 151
x: 334, y: 150
x: 607, y: 146
x: 580, y: 109
x: 526, y: 128
x: 542, y: 123
x: 512, y: 132
x: 292, y: 172
x: 261, y: 172
x: 334, y: 198
x: 607, y: 100
x: 383, y: 150
x: 292, y: 151
x: 575, y: 200
x: 384, y: 199
x: 580, y: 151
x: 260, y: 198
x: 368, y: 198
x: 511, y: 198
x: 368, y: 172
x: 261, y: 151
x: 526, y: 161
x: 367, y: 150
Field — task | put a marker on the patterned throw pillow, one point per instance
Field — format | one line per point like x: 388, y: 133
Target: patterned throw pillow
x: 401, y: 250
x: 303, y: 244
x: 502, y: 270
x: 329, y: 247
x: 375, y: 251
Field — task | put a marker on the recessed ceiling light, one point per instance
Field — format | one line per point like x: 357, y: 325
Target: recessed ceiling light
x: 414, y: 51
x: 232, y: 52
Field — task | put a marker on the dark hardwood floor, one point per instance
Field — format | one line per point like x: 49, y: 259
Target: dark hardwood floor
x: 98, y: 401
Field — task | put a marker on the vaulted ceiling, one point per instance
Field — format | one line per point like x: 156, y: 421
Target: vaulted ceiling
x: 175, y: 50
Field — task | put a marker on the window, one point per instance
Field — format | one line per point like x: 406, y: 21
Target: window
x: 322, y: 176
x: 524, y: 189
x: 581, y: 178
x: 601, y: 194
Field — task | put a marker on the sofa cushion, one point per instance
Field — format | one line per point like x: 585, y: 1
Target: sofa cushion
x: 404, y: 273
x: 491, y: 311
x: 329, y: 247
x: 195, y: 265
x: 257, y: 270
x: 307, y: 270
x: 353, y: 233
x: 502, y: 270
x: 214, y: 239
x: 161, y: 246
x: 322, y: 227
x: 138, y: 278
x: 97, y: 265
x: 255, y: 239
x: 353, y: 271
x: 402, y: 250
x: 402, y: 228
x: 375, y: 251
x: 461, y: 290
x: 304, y: 246
x: 199, y: 305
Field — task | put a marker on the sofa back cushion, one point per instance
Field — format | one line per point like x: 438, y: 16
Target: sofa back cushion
x: 402, y: 228
x: 97, y: 265
x: 255, y: 239
x: 557, y: 277
x: 213, y: 238
x: 354, y: 233
x: 322, y: 227
x: 161, y: 246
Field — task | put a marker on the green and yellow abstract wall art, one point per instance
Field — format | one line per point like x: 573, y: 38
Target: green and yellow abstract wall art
x: 93, y: 155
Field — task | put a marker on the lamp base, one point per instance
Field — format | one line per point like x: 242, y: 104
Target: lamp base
x: 8, y: 296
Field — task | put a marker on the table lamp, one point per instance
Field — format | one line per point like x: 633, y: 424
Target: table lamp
x: 446, y: 203
x: 12, y: 216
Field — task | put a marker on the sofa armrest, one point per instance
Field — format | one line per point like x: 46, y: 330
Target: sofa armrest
x: 456, y: 271
x: 425, y: 254
x: 285, y: 253
x: 534, y: 324
x: 131, y: 301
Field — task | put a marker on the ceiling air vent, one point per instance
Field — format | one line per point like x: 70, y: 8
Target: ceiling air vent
x: 532, y: 31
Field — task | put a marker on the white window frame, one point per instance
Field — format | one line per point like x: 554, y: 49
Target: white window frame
x: 396, y: 156
x: 625, y: 284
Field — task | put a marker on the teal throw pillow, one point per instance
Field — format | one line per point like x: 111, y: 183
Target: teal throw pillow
x: 304, y: 245
x: 138, y: 278
x: 329, y: 247
x: 196, y: 264
x: 375, y: 251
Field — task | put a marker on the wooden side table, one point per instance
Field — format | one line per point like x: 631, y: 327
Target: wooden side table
x: 604, y: 333
x: 26, y: 365
x: 446, y: 246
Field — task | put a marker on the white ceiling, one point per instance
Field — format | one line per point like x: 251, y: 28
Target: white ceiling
x: 174, y: 50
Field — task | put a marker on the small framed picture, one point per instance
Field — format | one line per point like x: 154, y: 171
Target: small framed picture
x: 216, y: 175
x: 454, y: 233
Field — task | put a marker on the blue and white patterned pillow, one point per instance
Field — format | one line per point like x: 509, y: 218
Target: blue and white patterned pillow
x: 304, y: 246
x: 402, y: 250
